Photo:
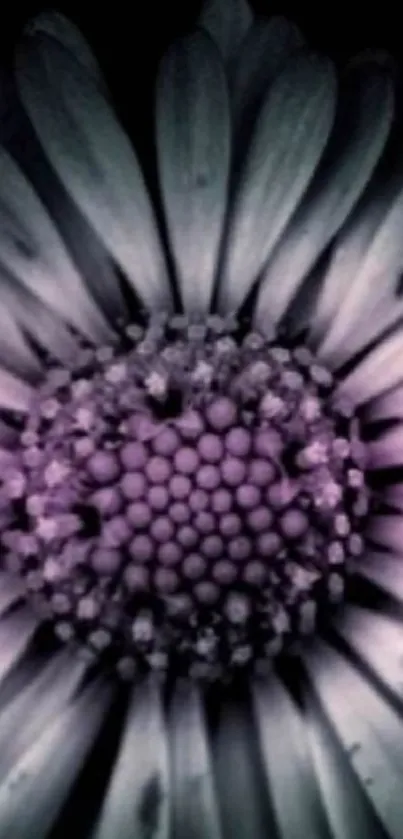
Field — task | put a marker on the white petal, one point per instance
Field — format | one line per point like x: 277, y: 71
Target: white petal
x: 368, y: 729
x: 293, y: 125
x: 384, y: 571
x: 380, y: 370
x: 387, y: 450
x: 35, y: 790
x: 293, y: 789
x: 265, y: 49
x: 227, y: 23
x: 89, y: 254
x: 195, y: 811
x: 137, y: 803
x: 34, y: 253
x: 15, y: 394
x: 387, y: 530
x: 193, y: 143
x: 387, y: 406
x: 95, y: 162
x: 348, y: 810
x: 365, y: 266
x: 11, y: 590
x: 349, y: 163
x: 40, y: 702
x: 238, y: 775
x: 16, y: 632
x: 367, y: 329
x: 378, y: 640
x: 58, y: 27
x: 15, y: 354
x: 37, y: 320
x: 392, y: 494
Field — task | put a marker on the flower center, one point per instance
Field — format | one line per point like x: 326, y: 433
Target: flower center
x: 188, y: 500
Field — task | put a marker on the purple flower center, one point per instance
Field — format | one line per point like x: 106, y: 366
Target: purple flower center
x: 188, y: 500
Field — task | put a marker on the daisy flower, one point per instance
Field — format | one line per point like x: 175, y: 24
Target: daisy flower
x: 201, y: 442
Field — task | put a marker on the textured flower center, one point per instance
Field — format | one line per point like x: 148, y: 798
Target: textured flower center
x: 187, y: 500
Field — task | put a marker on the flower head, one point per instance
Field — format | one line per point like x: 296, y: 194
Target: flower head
x: 199, y: 496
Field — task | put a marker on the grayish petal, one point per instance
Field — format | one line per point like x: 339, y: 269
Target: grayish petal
x: 348, y: 810
x: 380, y: 370
x: 365, y: 266
x: 16, y: 632
x: 194, y: 800
x: 378, y: 640
x: 386, y: 450
x: 15, y: 394
x: 137, y: 802
x: 58, y: 27
x: 293, y: 126
x: 385, y: 571
x: 293, y: 787
x: 11, y: 589
x: 33, y: 252
x: 267, y: 46
x: 95, y: 162
x: 227, y: 21
x: 23, y: 720
x: 238, y: 775
x: 35, y: 790
x: 193, y: 143
x: 367, y: 728
x: 350, y: 160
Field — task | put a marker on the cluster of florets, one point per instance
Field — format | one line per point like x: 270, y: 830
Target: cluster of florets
x: 188, y: 499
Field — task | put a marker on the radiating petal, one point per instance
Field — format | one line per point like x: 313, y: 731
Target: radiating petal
x: 227, y: 23
x: 360, y: 134
x: 15, y: 354
x: 293, y: 788
x: 11, y: 590
x: 33, y: 793
x: 368, y: 729
x: 38, y: 321
x: 94, y: 160
x: 265, y: 49
x: 387, y: 406
x: 348, y: 810
x: 365, y: 266
x: 392, y: 494
x: 384, y: 571
x: 24, y: 719
x: 241, y: 784
x: 380, y: 370
x: 93, y: 260
x: 137, y: 801
x: 294, y: 123
x: 16, y: 631
x: 15, y: 394
x: 378, y: 640
x: 193, y: 143
x: 194, y: 801
x: 367, y: 329
x: 32, y: 251
x: 387, y: 530
x: 387, y: 450
x: 57, y: 26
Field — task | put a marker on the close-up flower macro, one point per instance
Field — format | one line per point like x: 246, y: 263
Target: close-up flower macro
x: 201, y: 439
